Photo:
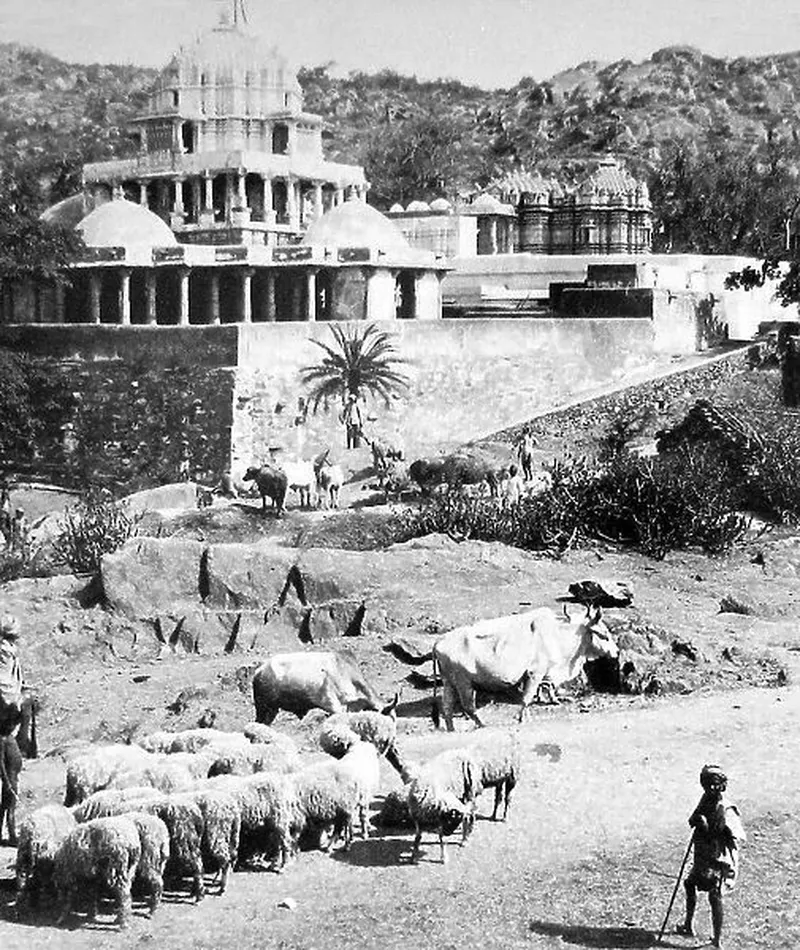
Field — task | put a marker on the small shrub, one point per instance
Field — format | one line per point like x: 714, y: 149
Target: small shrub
x: 94, y: 527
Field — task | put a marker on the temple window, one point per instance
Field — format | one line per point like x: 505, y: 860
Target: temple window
x: 188, y: 139
x: 176, y: 98
x: 280, y: 139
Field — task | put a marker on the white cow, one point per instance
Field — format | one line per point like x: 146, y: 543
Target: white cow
x: 531, y: 650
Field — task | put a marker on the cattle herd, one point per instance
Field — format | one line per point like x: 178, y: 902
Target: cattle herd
x: 179, y: 806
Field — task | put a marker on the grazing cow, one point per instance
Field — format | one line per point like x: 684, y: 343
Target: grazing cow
x: 383, y: 453
x: 271, y: 483
x: 300, y: 476
x: 298, y: 682
x: 330, y: 479
x: 532, y: 650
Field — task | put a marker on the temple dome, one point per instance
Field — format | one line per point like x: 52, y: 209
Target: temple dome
x: 487, y: 204
x: 440, y: 205
x: 120, y: 223
x: 611, y: 178
x: 418, y: 207
x: 356, y: 224
x: 201, y: 77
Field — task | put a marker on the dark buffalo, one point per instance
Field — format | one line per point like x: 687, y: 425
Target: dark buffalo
x: 427, y: 473
x: 272, y: 483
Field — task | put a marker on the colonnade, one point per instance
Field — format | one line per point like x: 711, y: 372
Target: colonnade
x: 238, y: 196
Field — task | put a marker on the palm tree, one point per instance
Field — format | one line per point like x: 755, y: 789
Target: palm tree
x: 358, y: 362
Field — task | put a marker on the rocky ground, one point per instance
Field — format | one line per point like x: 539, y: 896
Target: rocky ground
x: 597, y: 830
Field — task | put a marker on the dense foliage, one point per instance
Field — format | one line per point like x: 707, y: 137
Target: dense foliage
x: 692, y: 496
x: 35, y: 399
x: 95, y: 527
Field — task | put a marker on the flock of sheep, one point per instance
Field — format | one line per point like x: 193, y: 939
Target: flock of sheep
x: 190, y: 803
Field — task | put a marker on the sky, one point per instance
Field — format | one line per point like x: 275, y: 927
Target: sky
x: 489, y: 43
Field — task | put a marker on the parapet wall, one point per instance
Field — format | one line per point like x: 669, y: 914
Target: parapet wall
x: 159, y: 403
x: 468, y: 378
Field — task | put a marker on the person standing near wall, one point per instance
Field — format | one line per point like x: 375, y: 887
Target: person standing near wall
x: 353, y: 420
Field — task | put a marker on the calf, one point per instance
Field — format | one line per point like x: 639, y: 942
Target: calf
x: 272, y: 483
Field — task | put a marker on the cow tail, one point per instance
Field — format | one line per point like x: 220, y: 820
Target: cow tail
x: 435, y: 712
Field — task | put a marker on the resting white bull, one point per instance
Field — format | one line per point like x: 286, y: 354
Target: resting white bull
x: 528, y: 650
x: 299, y: 682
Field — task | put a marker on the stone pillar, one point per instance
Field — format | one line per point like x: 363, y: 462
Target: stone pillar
x: 338, y: 196
x: 311, y: 294
x: 291, y: 203
x: 270, y: 298
x: 197, y: 199
x: 241, y: 191
x: 177, y: 207
x: 125, y: 296
x: 143, y: 193
x: 60, y: 293
x: 296, y: 295
x: 380, y: 294
x: 213, y: 298
x: 183, y: 313
x: 151, y: 315
x: 208, y: 192
x: 493, y: 235
x: 318, y: 200
x: 247, y: 295
x: 95, y: 286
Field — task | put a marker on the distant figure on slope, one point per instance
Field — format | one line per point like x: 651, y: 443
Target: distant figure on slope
x: 16, y: 703
x: 525, y: 454
x: 718, y: 834
x: 514, y: 487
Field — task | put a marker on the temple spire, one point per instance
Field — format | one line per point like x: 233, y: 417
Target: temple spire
x: 233, y: 12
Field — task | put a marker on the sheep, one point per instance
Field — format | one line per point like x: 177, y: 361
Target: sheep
x: 270, y: 817
x: 190, y: 740
x: 341, y: 730
x: 94, y: 769
x: 40, y: 835
x: 121, y: 766
x: 331, y: 795
x: 113, y: 801
x: 441, y: 794
x: 432, y: 808
x: 221, y: 829
x: 275, y: 757
x: 185, y: 824
x: 498, y: 763
x: 154, y: 844
x: 101, y: 854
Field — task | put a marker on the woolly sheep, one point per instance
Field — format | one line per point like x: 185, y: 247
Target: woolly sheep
x: 256, y: 758
x: 331, y: 795
x: 40, y: 836
x: 440, y: 791
x: 185, y: 824
x: 221, y: 829
x: 154, y: 844
x: 433, y: 808
x: 189, y: 740
x: 270, y: 817
x: 341, y: 730
x: 113, y: 801
x: 97, y: 768
x: 498, y: 764
x: 101, y: 854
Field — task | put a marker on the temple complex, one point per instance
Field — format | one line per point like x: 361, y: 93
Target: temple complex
x: 609, y: 212
x: 229, y: 212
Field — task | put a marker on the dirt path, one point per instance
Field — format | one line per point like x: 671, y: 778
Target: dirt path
x: 587, y: 858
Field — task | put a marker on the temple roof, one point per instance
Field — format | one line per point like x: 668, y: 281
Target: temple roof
x: 69, y: 212
x: 356, y: 224
x: 120, y: 223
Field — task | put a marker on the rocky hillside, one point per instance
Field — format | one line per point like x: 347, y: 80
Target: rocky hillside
x: 430, y: 137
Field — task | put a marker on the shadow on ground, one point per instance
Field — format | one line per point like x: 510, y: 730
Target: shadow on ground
x: 605, y: 938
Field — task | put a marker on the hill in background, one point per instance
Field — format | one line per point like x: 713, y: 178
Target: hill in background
x: 427, y: 138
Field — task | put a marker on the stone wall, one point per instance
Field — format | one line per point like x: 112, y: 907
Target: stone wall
x: 468, y: 378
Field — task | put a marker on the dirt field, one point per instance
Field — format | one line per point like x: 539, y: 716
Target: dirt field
x: 597, y: 829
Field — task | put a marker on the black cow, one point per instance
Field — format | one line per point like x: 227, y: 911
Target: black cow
x: 272, y: 483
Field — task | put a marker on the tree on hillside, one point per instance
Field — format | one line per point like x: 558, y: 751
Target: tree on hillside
x: 724, y: 200
x: 31, y: 249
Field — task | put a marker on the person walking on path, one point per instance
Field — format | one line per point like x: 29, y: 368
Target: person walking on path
x: 718, y: 835
x: 11, y: 682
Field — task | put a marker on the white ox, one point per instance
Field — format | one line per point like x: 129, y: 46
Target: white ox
x: 298, y: 682
x: 530, y: 650
x: 300, y: 477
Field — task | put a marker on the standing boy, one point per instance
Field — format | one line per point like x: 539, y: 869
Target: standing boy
x: 718, y: 834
